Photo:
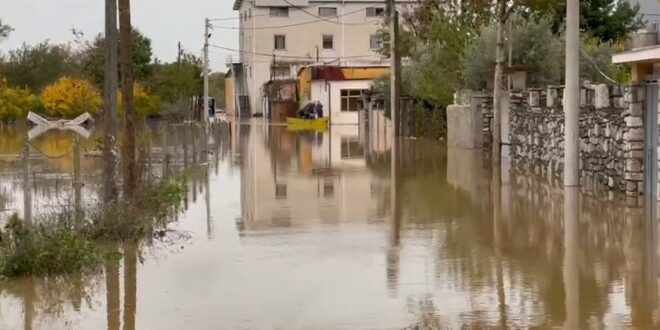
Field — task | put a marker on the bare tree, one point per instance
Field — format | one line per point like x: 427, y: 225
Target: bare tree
x: 130, y: 115
x: 110, y: 103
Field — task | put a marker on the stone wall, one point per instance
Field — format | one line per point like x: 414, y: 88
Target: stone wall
x: 611, y: 135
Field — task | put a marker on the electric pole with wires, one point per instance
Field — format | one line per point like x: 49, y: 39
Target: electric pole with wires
x: 205, y: 107
x: 395, y: 69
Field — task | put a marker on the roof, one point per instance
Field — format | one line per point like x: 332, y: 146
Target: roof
x: 339, y: 73
x: 639, y: 55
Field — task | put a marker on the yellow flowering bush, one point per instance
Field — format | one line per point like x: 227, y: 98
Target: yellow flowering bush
x: 146, y: 105
x: 15, y: 103
x: 69, y: 97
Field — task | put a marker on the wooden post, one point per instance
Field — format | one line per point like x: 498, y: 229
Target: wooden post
x: 77, y: 183
x: 27, y: 183
x: 110, y: 103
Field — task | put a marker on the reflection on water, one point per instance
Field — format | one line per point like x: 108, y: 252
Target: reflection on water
x: 328, y: 230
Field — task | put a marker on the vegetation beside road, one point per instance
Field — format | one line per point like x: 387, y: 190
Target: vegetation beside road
x: 72, y: 240
x: 64, y: 80
x: 447, y: 52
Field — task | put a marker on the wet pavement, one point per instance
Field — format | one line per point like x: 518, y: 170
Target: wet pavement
x: 311, y: 231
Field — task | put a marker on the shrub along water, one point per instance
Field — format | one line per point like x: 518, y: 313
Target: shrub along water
x: 71, y: 241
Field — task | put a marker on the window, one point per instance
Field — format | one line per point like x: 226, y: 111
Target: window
x: 280, y: 190
x: 351, y: 147
x: 351, y: 99
x: 250, y: 13
x: 328, y: 42
x: 375, y: 42
x: 279, y: 11
x: 280, y: 42
x: 327, y: 11
x: 375, y: 11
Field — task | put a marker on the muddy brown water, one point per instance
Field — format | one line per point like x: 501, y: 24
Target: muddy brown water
x: 295, y: 231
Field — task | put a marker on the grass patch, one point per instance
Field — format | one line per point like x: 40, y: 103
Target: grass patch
x: 68, y: 242
x: 49, y: 247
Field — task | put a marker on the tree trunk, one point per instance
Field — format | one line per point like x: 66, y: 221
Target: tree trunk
x: 130, y: 115
x: 110, y: 104
x: 497, y: 89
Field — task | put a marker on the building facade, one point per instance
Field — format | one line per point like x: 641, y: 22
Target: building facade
x: 341, y: 90
x: 649, y: 9
x: 277, y: 37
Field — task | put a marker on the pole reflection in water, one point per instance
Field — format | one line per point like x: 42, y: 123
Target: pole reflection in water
x: 496, y: 191
x: 112, y: 291
x: 28, y: 307
x: 207, y: 199
x: 395, y: 234
x: 646, y: 292
x: 130, y: 286
x: 571, y: 253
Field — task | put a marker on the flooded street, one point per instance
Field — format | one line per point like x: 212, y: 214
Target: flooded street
x: 290, y: 230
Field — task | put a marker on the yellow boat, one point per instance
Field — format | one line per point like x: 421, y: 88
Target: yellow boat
x: 299, y: 124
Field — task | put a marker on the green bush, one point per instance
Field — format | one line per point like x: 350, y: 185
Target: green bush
x: 15, y: 103
x: 69, y: 243
x: 146, y: 215
x: 49, y: 247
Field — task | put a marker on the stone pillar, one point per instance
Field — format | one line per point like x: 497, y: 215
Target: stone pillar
x: 633, y: 141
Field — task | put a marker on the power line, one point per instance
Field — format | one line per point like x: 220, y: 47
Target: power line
x: 298, y: 24
x: 290, y: 56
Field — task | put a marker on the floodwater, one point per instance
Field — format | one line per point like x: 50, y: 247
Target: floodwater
x: 312, y: 231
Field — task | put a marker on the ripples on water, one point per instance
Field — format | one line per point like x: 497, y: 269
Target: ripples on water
x: 295, y: 231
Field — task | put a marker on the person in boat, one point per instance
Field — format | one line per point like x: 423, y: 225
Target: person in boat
x: 318, y: 109
x: 306, y: 112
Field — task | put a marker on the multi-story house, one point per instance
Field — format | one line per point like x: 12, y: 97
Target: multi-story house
x: 277, y: 37
x: 649, y: 10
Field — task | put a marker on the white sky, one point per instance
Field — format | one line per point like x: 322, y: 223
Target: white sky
x: 166, y: 22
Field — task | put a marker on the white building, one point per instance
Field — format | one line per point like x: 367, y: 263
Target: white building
x: 276, y: 37
x: 648, y: 9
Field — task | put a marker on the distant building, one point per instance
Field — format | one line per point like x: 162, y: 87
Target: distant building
x: 277, y: 37
x: 649, y: 9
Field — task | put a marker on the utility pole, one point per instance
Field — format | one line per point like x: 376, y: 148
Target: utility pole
x: 110, y: 103
x: 178, y: 53
x: 572, y: 95
x: 205, y: 114
x: 510, y: 45
x: 395, y: 70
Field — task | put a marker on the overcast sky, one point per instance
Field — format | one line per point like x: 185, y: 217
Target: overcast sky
x: 166, y: 22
